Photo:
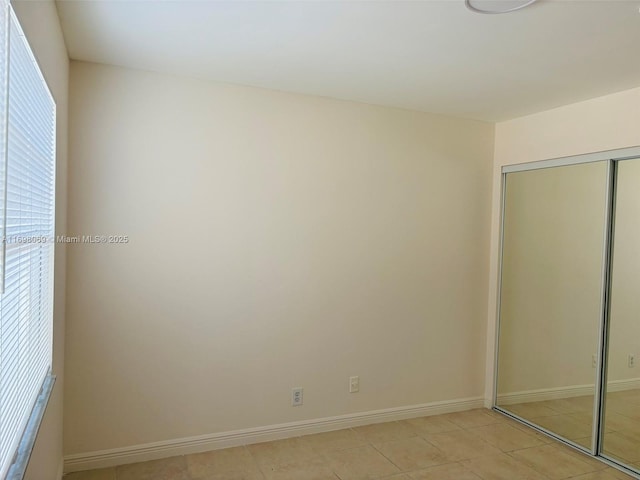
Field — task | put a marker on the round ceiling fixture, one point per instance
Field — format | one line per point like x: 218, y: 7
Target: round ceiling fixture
x: 493, y: 7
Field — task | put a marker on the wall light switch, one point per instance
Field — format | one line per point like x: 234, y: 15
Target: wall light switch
x: 354, y: 384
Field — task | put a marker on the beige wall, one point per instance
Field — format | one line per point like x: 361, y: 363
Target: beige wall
x: 276, y: 240
x: 39, y: 21
x: 603, y: 123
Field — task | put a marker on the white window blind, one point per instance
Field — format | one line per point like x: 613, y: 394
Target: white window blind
x: 27, y: 178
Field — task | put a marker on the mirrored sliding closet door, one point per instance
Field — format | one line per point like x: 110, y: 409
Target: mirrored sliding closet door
x: 568, y: 343
x: 550, y: 310
x: 621, y: 425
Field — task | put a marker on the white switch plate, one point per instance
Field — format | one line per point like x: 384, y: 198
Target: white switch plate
x: 632, y: 360
x: 354, y: 384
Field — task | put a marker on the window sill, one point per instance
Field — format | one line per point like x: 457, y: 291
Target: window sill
x: 19, y: 465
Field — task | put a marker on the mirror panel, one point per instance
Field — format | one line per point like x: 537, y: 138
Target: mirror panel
x: 550, y: 304
x: 621, y: 437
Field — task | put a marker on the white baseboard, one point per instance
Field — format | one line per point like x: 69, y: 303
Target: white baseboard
x: 543, y: 394
x: 557, y: 393
x: 621, y: 385
x: 215, y: 441
x: 60, y: 469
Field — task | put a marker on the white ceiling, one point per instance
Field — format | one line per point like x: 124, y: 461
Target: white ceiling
x: 433, y: 56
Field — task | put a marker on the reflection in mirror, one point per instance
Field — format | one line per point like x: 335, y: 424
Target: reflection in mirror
x: 621, y: 438
x: 550, y: 304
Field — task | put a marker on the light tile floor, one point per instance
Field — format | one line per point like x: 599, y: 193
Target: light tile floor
x: 572, y: 418
x: 473, y: 445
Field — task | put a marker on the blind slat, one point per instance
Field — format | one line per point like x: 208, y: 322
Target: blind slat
x: 27, y: 143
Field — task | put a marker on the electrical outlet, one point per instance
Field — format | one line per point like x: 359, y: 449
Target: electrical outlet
x: 296, y: 397
x: 594, y: 360
x: 632, y: 360
x: 354, y: 384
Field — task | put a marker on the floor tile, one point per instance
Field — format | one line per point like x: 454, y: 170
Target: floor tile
x: 531, y: 410
x: 585, y: 418
x: 316, y: 469
x: 633, y: 435
x: 501, y: 467
x: 433, y: 424
x: 553, y: 462
x: 570, y: 405
x: 615, y: 422
x: 628, y: 410
x: 461, y: 445
x: 450, y: 471
x: 361, y: 463
x: 493, y: 413
x: 235, y: 475
x: 472, y: 418
x: 473, y: 445
x: 336, y: 440
x: 281, y: 452
x: 581, y: 404
x: 564, y: 425
x: 385, y: 432
x: 624, y: 407
x: 620, y: 446
x: 559, y: 406
x: 595, y: 464
x: 98, y: 474
x: 613, y: 404
x: 586, y: 442
x: 229, y: 463
x: 411, y: 453
x: 505, y: 437
x: 602, y: 475
x: 174, y: 468
x: 528, y: 430
x: 618, y: 474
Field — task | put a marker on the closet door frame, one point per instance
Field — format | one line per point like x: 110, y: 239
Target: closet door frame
x: 612, y: 157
